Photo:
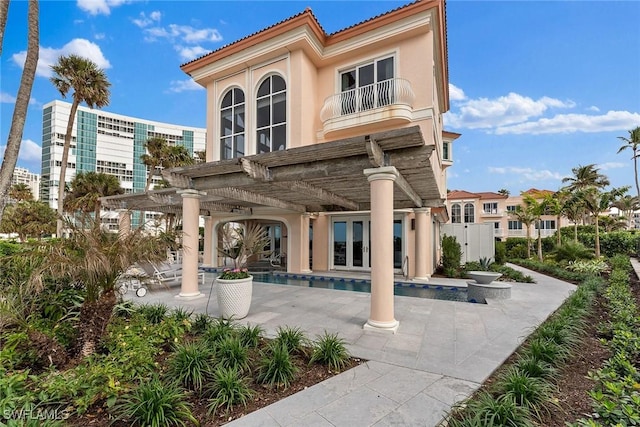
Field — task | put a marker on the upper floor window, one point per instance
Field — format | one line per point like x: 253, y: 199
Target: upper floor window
x: 469, y: 213
x: 271, y: 120
x: 456, y: 214
x: 490, y: 208
x: 514, y: 225
x: 445, y: 151
x: 512, y: 208
x: 548, y: 224
x: 367, y: 86
x: 232, y: 124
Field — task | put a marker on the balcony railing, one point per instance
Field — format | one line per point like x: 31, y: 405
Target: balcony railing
x: 365, y: 98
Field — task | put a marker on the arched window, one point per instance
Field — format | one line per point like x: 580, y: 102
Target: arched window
x: 232, y: 124
x: 271, y: 119
x: 469, y: 213
x: 456, y: 214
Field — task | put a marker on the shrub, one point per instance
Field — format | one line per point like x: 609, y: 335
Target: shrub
x: 156, y: 404
x: 276, y: 367
x: 331, y: 351
x: 292, y: 338
x: 529, y: 392
x: 547, y: 350
x: 250, y: 335
x: 201, y: 323
x: 191, y: 364
x: 219, y: 330
x: 451, y: 254
x: 501, y: 411
x: 227, y: 388
x: 572, y: 251
x: 501, y: 253
x: 535, y: 368
x: 231, y: 354
x: 154, y: 313
x: 594, y: 266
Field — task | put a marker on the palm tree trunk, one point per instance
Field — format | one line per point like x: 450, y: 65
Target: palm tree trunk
x: 559, y: 237
x: 63, y: 166
x: 528, y: 241
x: 635, y: 167
x: 575, y: 232
x: 597, y: 239
x: 4, y: 11
x: 539, y: 244
x: 22, y: 99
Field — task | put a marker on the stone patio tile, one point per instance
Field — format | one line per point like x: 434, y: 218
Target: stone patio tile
x: 361, y: 408
x: 421, y: 410
x: 402, y: 384
x: 300, y: 405
x: 354, y: 379
x: 450, y: 390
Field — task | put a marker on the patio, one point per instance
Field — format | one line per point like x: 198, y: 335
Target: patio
x: 441, y: 353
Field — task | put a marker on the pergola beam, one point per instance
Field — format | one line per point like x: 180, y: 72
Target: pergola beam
x: 375, y: 152
x: 319, y: 193
x: 406, y: 188
x: 255, y: 170
x: 255, y: 198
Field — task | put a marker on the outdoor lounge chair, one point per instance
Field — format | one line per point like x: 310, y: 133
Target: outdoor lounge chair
x: 166, y: 273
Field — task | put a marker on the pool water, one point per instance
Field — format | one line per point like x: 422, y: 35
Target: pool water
x: 360, y: 285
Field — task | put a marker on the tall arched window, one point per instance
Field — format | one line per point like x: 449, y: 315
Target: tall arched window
x: 456, y: 214
x: 469, y: 213
x: 232, y: 124
x: 271, y: 120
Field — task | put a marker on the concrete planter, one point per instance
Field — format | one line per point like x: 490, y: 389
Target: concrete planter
x: 483, y: 277
x: 478, y: 292
x: 234, y: 297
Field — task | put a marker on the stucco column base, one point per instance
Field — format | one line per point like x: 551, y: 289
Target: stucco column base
x: 189, y: 296
x: 372, y: 325
x: 425, y: 278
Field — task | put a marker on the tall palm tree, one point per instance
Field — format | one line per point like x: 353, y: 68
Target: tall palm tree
x: 20, y: 192
x: 526, y: 217
x: 627, y: 205
x: 22, y: 99
x: 4, y: 10
x: 555, y: 204
x: 90, y: 85
x: 537, y: 208
x: 86, y: 190
x: 633, y: 143
x: 597, y: 202
x: 574, y: 211
x: 585, y: 176
x: 160, y: 155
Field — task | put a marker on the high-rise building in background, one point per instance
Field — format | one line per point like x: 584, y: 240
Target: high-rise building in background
x: 104, y: 142
x: 24, y: 176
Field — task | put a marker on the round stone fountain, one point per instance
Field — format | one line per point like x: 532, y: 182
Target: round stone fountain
x: 482, y: 287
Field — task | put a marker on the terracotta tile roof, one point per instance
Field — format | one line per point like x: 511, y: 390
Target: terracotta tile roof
x: 374, y: 17
x: 461, y: 194
x: 491, y: 195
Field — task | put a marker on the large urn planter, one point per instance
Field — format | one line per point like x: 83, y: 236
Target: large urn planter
x: 234, y: 297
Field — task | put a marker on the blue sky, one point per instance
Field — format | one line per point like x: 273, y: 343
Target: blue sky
x: 537, y: 88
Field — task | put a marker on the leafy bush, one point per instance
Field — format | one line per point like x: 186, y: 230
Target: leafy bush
x: 572, y: 251
x: 532, y: 393
x: 330, y: 350
x: 231, y: 354
x: 250, y: 335
x: 219, y: 330
x: 154, y: 313
x: 594, y: 266
x: 227, y: 389
x: 276, y: 367
x: 156, y: 404
x: 501, y: 253
x: 451, y: 255
x: 191, y: 364
x: 293, y: 339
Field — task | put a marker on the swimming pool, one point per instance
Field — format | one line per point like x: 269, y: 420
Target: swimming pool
x: 361, y: 285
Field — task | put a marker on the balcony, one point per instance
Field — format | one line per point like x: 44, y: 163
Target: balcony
x: 492, y: 212
x: 387, y: 100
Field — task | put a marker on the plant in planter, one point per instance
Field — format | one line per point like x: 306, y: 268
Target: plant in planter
x: 234, y: 287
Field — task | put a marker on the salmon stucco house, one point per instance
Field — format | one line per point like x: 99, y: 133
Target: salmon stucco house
x: 334, y: 142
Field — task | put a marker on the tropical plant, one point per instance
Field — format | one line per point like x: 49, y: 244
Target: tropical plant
x: 633, y: 143
x: 90, y: 85
x: 532, y: 393
x: 87, y: 188
x: 597, y: 202
x: 23, y: 96
x: 292, y: 338
x: 230, y: 353
x: 627, y: 205
x: 585, y: 177
x: 191, y: 364
x: 526, y: 216
x: 250, y: 335
x: 537, y: 207
x: 227, y: 389
x: 451, y: 255
x: 240, y: 242
x: 572, y: 251
x: 219, y: 330
x: 20, y: 192
x: 154, y: 313
x: 276, y: 367
x: 29, y: 219
x: 156, y: 404
x: 330, y: 350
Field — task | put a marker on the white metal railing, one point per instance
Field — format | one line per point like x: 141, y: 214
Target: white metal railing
x: 380, y: 94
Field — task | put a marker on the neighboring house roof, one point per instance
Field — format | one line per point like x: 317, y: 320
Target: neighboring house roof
x: 461, y: 194
x: 491, y: 195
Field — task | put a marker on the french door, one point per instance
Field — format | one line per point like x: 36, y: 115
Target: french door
x: 351, y: 243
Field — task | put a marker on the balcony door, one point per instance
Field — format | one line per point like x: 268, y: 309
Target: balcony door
x: 367, y: 86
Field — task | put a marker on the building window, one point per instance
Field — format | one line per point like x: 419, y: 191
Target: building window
x: 271, y: 119
x: 469, y: 213
x: 490, y: 208
x: 515, y: 225
x: 548, y: 224
x: 367, y: 86
x: 445, y: 151
x: 232, y: 124
x: 512, y: 208
x: 456, y: 214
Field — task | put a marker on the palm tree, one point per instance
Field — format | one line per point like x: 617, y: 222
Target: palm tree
x: 160, y: 155
x: 86, y: 190
x: 537, y: 208
x: 504, y: 192
x: 586, y: 176
x: 633, y: 143
x: 90, y: 85
x: 555, y: 204
x: 20, y: 192
x: 22, y: 99
x: 627, y: 205
x: 597, y: 202
x: 526, y: 217
x: 574, y: 211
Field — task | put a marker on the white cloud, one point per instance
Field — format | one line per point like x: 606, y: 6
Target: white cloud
x: 611, y: 165
x: 49, y: 55
x: 571, y: 123
x: 97, y: 7
x: 485, y: 113
x: 144, y: 20
x: 29, y: 151
x: 6, y: 98
x: 99, y: 36
x: 529, y: 174
x: 187, y: 53
x: 184, y: 85
x: 456, y: 94
x: 594, y: 108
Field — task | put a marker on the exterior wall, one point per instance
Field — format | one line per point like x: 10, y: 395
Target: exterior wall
x: 104, y: 142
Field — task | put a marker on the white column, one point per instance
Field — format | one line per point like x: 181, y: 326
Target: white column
x: 190, y: 231
x: 381, y: 315
x: 207, y: 256
x: 304, y: 244
x: 422, y: 243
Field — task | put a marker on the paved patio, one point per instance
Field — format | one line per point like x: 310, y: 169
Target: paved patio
x: 442, y: 353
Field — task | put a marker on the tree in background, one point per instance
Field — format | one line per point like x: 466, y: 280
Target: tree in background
x: 160, y: 155
x: 526, y: 216
x: 23, y: 97
x: 90, y: 85
x: 555, y: 205
x: 627, y: 205
x: 584, y: 177
x: 29, y: 218
x: 504, y: 192
x: 20, y: 192
x: 537, y: 208
x: 596, y: 202
x: 87, y: 188
x: 633, y: 143
x: 574, y: 210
